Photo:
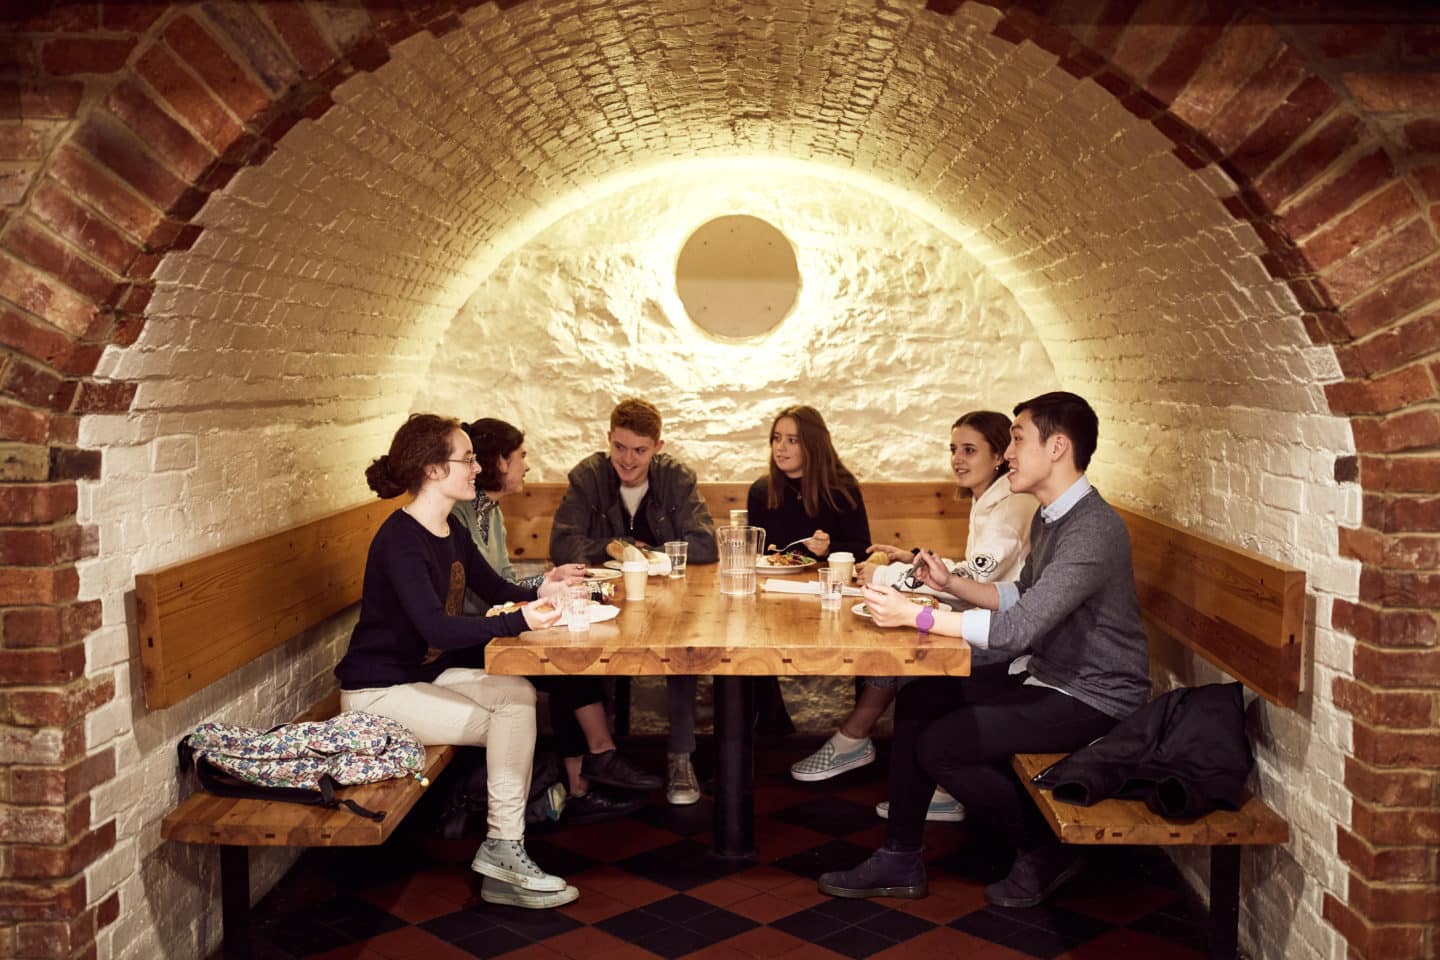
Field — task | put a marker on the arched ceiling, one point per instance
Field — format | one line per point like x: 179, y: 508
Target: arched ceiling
x: 352, y: 248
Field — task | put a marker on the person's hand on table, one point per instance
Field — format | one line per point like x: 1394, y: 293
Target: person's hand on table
x: 893, y: 553
x: 541, y: 614
x: 889, y: 607
x: 566, y: 573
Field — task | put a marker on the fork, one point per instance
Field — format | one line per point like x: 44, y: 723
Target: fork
x: 795, y: 543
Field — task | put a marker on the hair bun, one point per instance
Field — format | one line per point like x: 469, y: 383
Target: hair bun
x: 380, y: 478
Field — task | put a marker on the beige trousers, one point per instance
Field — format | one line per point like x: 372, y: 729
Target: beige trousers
x: 468, y: 707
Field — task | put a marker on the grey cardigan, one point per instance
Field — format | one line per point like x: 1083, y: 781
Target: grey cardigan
x: 1077, y: 614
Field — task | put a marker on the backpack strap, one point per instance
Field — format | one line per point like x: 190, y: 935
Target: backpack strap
x: 216, y: 781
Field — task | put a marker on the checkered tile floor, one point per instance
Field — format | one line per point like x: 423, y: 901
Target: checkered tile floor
x: 649, y: 888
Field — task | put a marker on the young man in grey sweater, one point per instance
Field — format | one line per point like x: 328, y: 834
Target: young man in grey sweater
x: 1078, y: 664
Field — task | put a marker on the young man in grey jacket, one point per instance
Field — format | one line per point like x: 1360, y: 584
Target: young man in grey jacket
x: 1072, y: 625
x: 635, y: 493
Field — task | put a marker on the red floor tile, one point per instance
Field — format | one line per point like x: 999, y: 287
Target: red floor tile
x: 763, y: 908
x: 766, y: 942
x: 763, y: 877
x: 722, y: 892
x: 1121, y: 907
x: 535, y: 951
x: 584, y: 943
x: 719, y: 951
x: 413, y: 943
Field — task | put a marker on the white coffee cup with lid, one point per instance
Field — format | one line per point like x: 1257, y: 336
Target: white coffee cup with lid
x: 843, y: 563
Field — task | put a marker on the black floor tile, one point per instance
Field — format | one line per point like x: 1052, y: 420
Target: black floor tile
x: 835, y: 855
x: 682, y: 865
x: 833, y: 815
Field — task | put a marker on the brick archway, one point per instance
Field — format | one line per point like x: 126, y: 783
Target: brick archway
x: 130, y: 118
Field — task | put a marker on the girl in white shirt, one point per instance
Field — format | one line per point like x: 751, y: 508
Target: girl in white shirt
x: 995, y: 549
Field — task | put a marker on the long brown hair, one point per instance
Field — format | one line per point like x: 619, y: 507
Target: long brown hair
x: 422, y: 440
x: 824, y: 478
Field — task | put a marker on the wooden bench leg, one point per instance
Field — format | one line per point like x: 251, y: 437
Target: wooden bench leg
x: 235, y: 902
x: 1225, y: 902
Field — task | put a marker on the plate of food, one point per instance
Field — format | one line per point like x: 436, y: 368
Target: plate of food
x: 597, y: 574
x: 512, y: 606
x: 784, y: 563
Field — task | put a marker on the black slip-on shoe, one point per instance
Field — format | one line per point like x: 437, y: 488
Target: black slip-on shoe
x: 610, y: 769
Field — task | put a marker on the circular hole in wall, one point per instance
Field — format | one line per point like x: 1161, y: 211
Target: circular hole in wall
x: 737, y: 277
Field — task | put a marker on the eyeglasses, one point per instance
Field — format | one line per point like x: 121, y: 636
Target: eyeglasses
x: 468, y: 461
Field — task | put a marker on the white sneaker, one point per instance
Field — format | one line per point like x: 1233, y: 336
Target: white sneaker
x: 507, y: 861
x: 828, y: 762
x: 681, y: 787
x: 497, y: 891
x: 943, y: 808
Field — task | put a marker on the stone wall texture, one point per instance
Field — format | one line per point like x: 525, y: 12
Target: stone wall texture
x: 239, y: 242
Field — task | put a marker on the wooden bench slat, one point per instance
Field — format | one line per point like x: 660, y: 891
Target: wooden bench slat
x: 204, y: 617
x: 208, y: 819
x: 1131, y: 822
x: 1241, y: 611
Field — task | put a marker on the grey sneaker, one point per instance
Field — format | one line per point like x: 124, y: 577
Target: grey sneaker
x: 828, y: 762
x: 506, y: 860
x: 681, y: 787
x: 943, y: 808
x: 497, y: 891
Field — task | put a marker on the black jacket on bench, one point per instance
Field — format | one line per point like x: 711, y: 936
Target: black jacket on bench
x: 1185, y: 754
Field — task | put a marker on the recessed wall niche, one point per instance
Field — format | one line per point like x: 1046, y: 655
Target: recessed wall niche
x: 737, y: 277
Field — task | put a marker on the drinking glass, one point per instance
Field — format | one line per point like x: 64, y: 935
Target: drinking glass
x: 577, y: 608
x: 832, y: 588
x: 677, y: 551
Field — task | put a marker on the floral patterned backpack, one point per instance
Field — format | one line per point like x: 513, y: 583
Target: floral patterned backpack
x: 303, y: 762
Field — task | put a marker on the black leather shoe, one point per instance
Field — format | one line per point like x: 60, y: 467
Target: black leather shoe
x: 611, y: 769
x: 1035, y: 875
x: 598, y: 805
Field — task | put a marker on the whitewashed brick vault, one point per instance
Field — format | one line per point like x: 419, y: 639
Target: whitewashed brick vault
x: 485, y: 221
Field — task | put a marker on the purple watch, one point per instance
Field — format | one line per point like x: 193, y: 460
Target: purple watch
x: 925, y: 619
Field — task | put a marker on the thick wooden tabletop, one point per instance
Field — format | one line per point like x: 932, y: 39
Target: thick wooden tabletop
x: 686, y: 626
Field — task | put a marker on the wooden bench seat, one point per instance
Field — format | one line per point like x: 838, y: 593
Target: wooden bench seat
x: 1244, y: 613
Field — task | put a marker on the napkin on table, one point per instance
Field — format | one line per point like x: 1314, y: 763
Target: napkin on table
x: 812, y: 587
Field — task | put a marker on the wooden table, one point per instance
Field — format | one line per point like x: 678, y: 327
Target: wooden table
x: 686, y: 626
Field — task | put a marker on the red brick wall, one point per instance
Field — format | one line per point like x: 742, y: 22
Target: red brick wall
x: 116, y: 122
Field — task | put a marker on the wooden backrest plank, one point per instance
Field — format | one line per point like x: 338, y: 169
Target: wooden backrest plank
x: 905, y: 514
x: 1241, y: 611
x: 202, y: 618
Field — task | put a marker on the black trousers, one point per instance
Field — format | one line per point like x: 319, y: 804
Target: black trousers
x: 568, y: 694
x: 959, y: 733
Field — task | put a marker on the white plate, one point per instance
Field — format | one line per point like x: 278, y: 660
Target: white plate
x: 599, y: 613
x: 601, y: 573
x: 764, y: 565
x: 657, y: 567
x: 860, y: 610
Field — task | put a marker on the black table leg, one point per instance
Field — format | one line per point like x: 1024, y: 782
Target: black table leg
x: 235, y: 902
x: 735, y: 767
x: 1225, y: 902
